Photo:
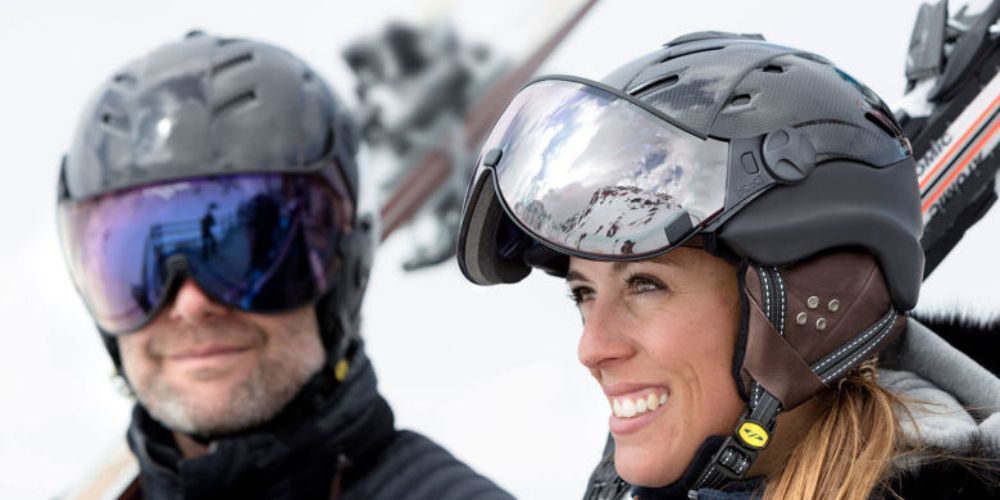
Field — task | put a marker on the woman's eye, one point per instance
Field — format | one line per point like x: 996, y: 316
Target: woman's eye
x: 580, y: 294
x: 643, y: 284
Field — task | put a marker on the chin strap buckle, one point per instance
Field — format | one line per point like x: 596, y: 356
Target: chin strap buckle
x: 737, y: 453
x: 729, y: 463
x: 735, y: 459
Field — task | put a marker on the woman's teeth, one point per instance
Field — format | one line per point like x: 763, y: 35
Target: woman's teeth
x: 625, y: 407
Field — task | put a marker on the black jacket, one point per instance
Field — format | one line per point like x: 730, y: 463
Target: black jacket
x: 955, y: 370
x: 332, y: 441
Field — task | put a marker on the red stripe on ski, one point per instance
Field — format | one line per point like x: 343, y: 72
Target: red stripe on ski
x: 961, y: 166
x: 947, y: 157
x: 418, y: 186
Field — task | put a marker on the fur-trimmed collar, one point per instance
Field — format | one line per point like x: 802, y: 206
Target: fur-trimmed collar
x: 954, y: 403
x: 977, y: 338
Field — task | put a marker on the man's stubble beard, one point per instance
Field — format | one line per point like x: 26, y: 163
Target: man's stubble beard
x: 273, y: 382
x: 253, y: 401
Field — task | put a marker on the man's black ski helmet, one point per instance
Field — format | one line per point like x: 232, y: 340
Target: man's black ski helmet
x: 812, y: 189
x: 207, y: 106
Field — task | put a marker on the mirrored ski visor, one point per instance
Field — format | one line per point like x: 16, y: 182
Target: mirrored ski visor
x: 594, y: 174
x: 254, y: 242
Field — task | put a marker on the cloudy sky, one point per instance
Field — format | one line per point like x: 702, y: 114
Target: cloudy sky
x: 489, y: 372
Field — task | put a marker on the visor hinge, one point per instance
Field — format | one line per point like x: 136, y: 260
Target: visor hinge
x: 789, y: 155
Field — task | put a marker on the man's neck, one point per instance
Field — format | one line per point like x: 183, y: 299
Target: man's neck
x: 188, y: 446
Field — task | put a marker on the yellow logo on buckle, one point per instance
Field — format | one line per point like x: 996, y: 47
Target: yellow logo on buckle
x: 753, y: 435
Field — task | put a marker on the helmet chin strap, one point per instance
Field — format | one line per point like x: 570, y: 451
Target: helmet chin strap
x: 338, y: 311
x: 757, y: 422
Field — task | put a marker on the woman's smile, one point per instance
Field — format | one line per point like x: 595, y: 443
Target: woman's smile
x: 633, y: 410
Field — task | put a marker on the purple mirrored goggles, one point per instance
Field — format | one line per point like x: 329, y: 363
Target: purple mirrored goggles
x: 255, y: 242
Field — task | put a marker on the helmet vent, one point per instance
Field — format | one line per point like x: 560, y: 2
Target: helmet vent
x: 773, y: 68
x: 125, y: 79
x: 882, y: 123
x: 114, y: 122
x: 221, y: 42
x: 679, y: 52
x: 656, y: 83
x: 307, y: 76
x: 740, y: 100
x: 231, y: 63
x: 235, y: 102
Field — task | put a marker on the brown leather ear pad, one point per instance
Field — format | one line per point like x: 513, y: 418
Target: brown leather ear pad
x: 829, y: 300
x: 775, y: 364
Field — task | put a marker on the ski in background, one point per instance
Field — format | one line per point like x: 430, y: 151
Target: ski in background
x: 428, y: 100
x: 415, y: 84
x: 950, y: 112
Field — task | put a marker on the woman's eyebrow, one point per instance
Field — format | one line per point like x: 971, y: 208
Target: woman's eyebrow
x: 620, y: 267
x: 617, y: 267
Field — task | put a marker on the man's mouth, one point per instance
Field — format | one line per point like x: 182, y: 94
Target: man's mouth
x: 638, y: 403
x: 208, y: 351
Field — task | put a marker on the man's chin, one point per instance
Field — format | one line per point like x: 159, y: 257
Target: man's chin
x: 210, y: 401
x: 219, y: 398
x: 219, y: 421
x: 213, y: 396
x: 208, y: 413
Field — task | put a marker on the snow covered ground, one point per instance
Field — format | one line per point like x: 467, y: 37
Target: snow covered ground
x: 491, y: 373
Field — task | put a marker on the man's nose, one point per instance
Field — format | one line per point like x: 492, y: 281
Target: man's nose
x: 604, y: 337
x: 192, y: 305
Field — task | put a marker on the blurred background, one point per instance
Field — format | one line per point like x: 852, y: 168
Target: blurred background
x: 489, y: 373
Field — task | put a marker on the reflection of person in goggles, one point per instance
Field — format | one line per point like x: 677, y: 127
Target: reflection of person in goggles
x: 258, y: 242
x: 739, y: 225
x: 208, y: 212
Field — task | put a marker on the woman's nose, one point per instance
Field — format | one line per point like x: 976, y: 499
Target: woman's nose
x: 192, y: 305
x: 604, y: 338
